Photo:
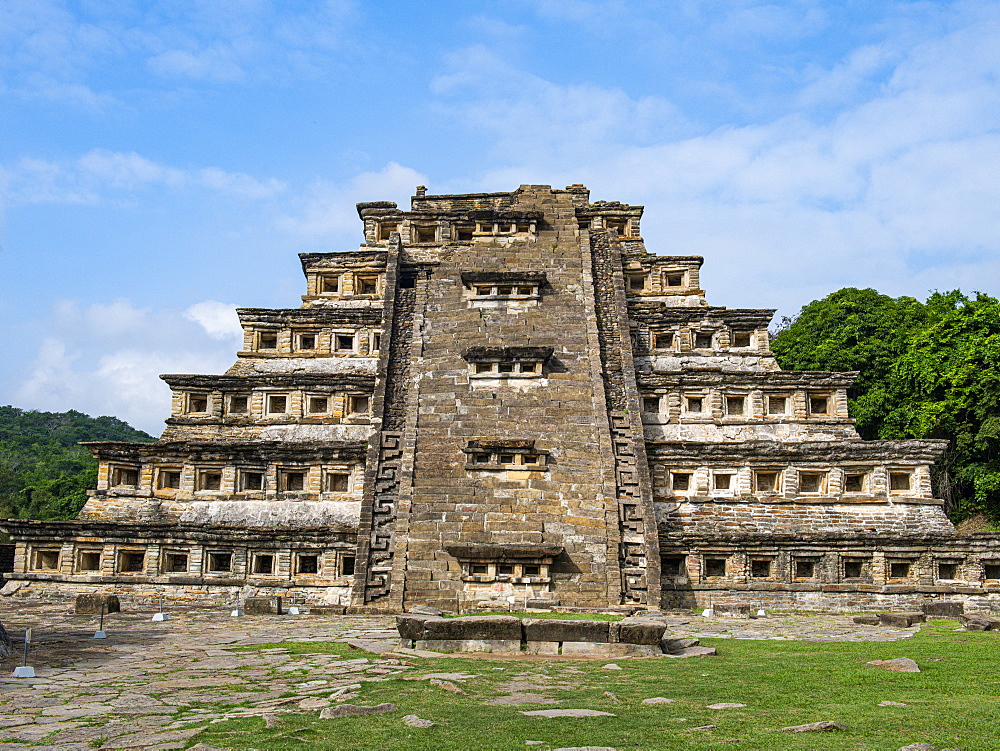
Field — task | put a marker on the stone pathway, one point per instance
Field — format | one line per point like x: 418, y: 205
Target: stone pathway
x: 155, y: 685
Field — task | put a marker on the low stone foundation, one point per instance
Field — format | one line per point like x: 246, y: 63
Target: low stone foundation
x: 134, y: 596
x: 841, y: 601
x: 638, y: 636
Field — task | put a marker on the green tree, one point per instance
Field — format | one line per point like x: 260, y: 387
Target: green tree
x: 927, y: 370
x: 44, y: 472
x: 947, y: 385
x: 853, y: 329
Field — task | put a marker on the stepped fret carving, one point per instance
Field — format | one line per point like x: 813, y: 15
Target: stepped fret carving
x: 632, y: 557
x: 390, y: 465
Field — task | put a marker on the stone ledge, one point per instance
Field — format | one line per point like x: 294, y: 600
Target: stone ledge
x: 638, y: 635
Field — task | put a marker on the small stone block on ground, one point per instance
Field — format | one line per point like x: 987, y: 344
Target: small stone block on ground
x: 262, y: 606
x: 694, y: 652
x: 91, y: 604
x: 739, y: 611
x: 898, y: 665
x: 416, y: 722
x: 355, y: 710
x: 900, y: 620
x: 979, y: 623
x: 822, y: 726
x: 867, y: 620
x: 949, y: 608
x: 447, y: 686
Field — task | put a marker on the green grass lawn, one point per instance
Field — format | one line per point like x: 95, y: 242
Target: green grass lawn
x: 953, y: 703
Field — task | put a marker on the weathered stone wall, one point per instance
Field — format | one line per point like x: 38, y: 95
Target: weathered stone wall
x: 559, y: 502
x: 149, y: 595
x: 637, y: 550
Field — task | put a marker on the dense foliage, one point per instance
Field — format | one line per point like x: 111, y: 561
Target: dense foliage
x: 927, y: 370
x: 44, y: 473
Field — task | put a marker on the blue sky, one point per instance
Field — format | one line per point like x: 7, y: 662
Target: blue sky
x: 163, y: 162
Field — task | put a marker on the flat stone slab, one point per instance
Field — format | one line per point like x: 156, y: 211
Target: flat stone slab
x: 151, y: 739
x: 898, y: 665
x: 812, y: 727
x: 694, y: 652
x: 416, y: 722
x: 568, y: 713
x: 900, y: 620
x: 355, y: 710
x: 725, y: 705
x: 658, y: 700
x: 447, y: 686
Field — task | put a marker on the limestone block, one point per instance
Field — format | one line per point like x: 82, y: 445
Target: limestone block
x: 503, y: 627
x: 900, y: 620
x: 733, y: 610
x: 543, y: 629
x: 641, y: 630
x: 951, y: 608
x: 676, y: 645
x: 262, y: 606
x: 411, y: 625
x: 91, y: 603
x: 469, y: 645
x: 598, y: 649
x: 540, y: 604
x: 980, y: 623
x: 426, y: 610
x: 542, y: 647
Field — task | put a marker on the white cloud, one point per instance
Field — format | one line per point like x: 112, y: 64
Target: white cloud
x: 895, y: 191
x: 106, y: 359
x: 216, y: 63
x: 98, y: 174
x: 328, y: 209
x: 218, y: 319
x: 542, y: 122
x: 49, y: 49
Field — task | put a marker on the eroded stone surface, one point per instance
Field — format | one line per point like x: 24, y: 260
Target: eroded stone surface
x: 897, y: 665
x: 813, y: 727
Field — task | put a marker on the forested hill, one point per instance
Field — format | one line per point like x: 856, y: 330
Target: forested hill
x: 927, y: 370
x: 44, y: 473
